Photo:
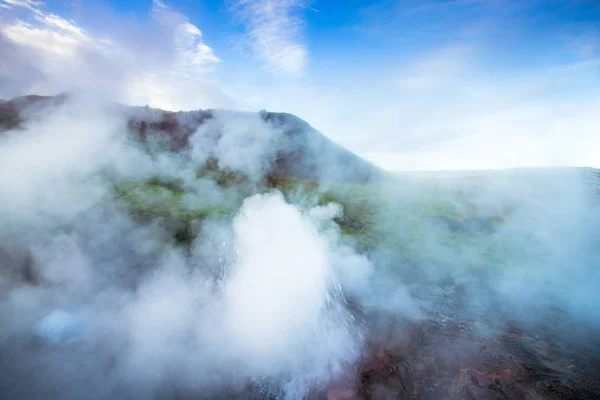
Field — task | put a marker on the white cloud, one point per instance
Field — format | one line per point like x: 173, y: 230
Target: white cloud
x: 53, y: 20
x: 275, y: 33
x: 172, y: 91
x: 43, y: 31
x: 7, y: 4
x: 451, y: 113
x: 57, y: 54
x: 46, y: 38
x: 173, y: 73
x: 192, y: 54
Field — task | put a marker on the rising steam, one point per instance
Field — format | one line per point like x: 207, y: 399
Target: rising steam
x: 278, y: 292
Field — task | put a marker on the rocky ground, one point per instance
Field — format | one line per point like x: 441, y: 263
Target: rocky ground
x: 446, y: 356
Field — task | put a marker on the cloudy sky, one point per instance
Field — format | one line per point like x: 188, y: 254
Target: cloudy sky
x: 408, y: 84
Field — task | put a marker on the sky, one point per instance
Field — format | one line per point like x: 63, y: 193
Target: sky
x: 407, y: 84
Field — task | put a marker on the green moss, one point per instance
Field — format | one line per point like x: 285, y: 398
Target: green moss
x: 175, y: 186
x: 223, y: 178
x: 374, y: 216
x: 159, y: 200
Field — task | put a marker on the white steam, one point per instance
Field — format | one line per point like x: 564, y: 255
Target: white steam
x: 283, y: 293
x: 271, y: 296
x: 242, y: 143
x: 256, y: 299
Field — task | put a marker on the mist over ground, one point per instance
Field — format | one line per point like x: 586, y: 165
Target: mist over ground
x: 212, y: 254
x: 224, y: 253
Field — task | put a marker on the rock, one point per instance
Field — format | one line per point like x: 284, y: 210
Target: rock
x: 347, y: 222
x: 341, y: 394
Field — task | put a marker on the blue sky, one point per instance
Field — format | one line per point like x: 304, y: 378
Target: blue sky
x: 408, y: 84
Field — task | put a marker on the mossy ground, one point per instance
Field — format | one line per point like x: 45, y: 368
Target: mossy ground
x: 391, y: 216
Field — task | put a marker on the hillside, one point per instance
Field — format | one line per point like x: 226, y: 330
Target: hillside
x: 302, y: 151
x: 214, y: 254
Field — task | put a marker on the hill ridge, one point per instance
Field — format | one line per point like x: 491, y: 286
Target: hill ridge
x: 308, y: 153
